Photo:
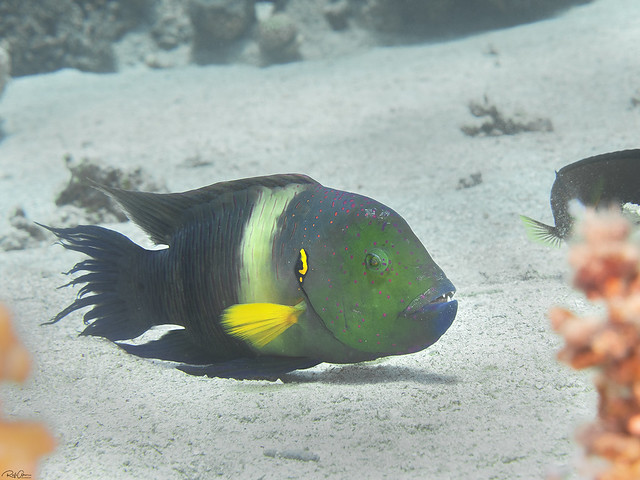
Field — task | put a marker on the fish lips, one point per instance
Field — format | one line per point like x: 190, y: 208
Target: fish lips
x: 436, y: 307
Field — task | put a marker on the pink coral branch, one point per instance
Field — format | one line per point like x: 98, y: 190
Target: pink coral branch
x: 607, y: 268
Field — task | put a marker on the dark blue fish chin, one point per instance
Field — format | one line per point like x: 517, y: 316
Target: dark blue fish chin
x: 445, y: 314
x: 436, y: 308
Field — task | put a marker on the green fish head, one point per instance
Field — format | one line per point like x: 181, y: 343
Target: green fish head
x: 373, y: 283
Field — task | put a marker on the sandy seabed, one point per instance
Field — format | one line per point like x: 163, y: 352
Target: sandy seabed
x: 487, y: 401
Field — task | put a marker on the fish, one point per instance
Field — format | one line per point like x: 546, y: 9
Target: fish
x: 258, y: 277
x: 600, y: 181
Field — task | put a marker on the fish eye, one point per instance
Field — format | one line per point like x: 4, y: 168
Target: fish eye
x: 376, y: 260
x: 373, y: 260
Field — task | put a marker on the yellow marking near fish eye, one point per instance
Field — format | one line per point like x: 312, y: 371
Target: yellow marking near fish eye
x: 305, y: 265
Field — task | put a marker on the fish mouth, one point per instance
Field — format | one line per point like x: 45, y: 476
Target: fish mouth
x: 434, y: 310
x: 433, y: 300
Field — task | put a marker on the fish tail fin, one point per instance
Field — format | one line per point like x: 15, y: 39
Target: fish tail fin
x: 118, y: 283
x: 260, y: 323
x: 541, y: 233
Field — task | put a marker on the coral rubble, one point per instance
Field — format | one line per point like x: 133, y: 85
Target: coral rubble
x: 98, y: 207
x: 21, y: 443
x: 498, y: 124
x: 607, y: 268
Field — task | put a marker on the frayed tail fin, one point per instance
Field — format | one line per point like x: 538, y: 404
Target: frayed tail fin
x: 111, y: 283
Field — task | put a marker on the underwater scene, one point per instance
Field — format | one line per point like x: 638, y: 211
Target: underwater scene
x: 326, y: 239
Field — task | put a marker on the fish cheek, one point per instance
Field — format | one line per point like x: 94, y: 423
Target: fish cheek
x: 355, y: 304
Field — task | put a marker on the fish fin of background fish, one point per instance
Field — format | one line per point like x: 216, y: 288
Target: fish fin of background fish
x: 541, y: 233
x: 161, y: 214
x: 107, y: 284
x: 256, y: 368
x: 174, y: 346
x: 259, y: 323
x: 597, y: 191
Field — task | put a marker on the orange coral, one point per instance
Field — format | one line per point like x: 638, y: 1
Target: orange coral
x: 21, y: 443
x: 607, y: 268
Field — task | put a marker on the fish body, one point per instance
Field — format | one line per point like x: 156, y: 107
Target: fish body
x: 261, y: 276
x: 602, y: 180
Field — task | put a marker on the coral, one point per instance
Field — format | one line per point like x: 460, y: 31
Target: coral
x: 21, y: 443
x: 607, y: 268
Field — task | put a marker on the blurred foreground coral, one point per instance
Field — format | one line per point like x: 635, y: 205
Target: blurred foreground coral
x: 21, y: 443
x: 607, y: 269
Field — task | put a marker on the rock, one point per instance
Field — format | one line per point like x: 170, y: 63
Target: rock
x: 5, y: 68
x: 104, y: 35
x: 337, y: 14
x: 171, y: 25
x: 5, y: 75
x: 48, y: 35
x: 278, y: 39
x: 217, y: 24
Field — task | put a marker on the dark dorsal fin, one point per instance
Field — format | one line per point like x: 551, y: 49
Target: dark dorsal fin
x: 160, y: 214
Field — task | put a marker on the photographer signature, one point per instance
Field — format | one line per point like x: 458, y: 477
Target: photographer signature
x: 12, y: 474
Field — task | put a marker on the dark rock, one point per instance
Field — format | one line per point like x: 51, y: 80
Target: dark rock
x: 337, y: 14
x: 217, y: 24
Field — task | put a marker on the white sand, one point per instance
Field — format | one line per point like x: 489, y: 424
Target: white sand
x: 487, y: 401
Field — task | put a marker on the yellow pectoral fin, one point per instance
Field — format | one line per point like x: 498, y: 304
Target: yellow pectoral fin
x: 260, y: 323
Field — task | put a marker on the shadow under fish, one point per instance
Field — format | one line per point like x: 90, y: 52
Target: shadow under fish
x: 600, y: 181
x: 263, y: 276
